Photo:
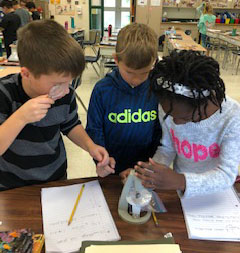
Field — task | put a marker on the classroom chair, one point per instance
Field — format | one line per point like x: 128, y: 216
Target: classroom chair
x: 110, y: 65
x: 92, y: 43
x: 213, y: 45
x: 236, y: 58
x: 92, y: 60
x: 75, y: 83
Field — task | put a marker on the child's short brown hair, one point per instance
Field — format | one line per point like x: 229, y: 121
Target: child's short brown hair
x: 45, y: 47
x: 136, y: 46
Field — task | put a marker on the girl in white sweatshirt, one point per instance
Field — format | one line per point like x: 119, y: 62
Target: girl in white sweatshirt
x: 201, y: 127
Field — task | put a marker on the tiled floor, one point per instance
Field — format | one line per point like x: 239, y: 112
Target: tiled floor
x: 80, y: 164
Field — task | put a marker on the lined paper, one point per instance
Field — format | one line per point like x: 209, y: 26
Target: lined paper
x: 214, y: 216
x: 92, y: 219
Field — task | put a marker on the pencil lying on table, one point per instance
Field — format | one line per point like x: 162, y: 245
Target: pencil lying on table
x: 155, y: 219
x: 76, y: 204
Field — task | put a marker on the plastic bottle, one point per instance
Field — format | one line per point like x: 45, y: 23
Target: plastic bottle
x: 72, y: 22
x: 109, y: 30
x: 173, y: 31
x: 66, y: 25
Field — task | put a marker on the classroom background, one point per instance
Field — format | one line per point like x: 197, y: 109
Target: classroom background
x: 95, y: 24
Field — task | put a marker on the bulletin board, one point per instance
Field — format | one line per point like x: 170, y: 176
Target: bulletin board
x: 64, y: 7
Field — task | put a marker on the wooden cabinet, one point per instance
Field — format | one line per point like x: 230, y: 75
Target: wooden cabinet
x: 149, y: 15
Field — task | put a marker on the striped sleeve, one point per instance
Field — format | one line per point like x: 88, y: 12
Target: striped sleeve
x: 5, y: 107
x: 72, y: 119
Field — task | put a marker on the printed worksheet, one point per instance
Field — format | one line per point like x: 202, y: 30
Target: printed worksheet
x: 92, y: 219
x: 213, y: 217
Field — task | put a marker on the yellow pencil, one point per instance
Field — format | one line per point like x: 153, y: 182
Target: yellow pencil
x: 155, y: 219
x: 75, y: 205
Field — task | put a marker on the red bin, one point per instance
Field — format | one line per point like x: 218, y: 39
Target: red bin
x: 237, y: 21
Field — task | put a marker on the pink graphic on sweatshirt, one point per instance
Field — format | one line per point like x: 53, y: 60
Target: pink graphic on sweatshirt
x: 198, y: 151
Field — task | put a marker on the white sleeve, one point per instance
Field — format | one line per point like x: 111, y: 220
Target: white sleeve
x: 224, y: 175
x: 165, y: 153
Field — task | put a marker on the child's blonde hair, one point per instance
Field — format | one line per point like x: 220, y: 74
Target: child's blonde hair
x: 208, y: 9
x: 137, y: 46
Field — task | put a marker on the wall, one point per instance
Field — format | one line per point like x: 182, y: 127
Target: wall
x: 80, y: 20
x: 180, y: 13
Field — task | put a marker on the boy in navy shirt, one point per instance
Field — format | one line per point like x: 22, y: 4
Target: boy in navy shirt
x: 122, y: 116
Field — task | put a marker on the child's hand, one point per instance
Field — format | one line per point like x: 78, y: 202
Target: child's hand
x: 160, y: 176
x: 100, y: 154
x: 124, y: 174
x: 35, y: 109
x: 103, y: 171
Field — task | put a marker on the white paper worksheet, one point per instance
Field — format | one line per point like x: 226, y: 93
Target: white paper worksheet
x: 91, y: 221
x: 213, y: 217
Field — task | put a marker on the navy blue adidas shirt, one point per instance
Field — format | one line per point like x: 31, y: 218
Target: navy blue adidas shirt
x: 124, y: 120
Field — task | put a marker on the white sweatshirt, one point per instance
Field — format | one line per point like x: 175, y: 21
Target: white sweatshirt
x: 206, y: 152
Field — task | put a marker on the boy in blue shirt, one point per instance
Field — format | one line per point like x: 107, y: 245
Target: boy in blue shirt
x: 122, y: 116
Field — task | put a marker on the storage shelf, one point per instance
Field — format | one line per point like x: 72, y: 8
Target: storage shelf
x: 175, y: 7
x: 227, y: 24
x: 222, y: 8
x: 194, y: 8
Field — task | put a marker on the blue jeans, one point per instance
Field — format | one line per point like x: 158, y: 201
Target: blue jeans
x: 204, y: 40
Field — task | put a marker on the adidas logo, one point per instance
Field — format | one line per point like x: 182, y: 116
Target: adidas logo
x: 136, y: 117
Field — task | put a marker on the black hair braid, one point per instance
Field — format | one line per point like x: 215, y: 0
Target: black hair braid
x: 193, y: 70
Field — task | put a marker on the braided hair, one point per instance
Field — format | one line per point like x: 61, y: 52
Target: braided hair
x: 199, y: 73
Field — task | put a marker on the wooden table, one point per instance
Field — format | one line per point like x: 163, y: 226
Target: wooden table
x: 21, y: 208
x: 6, y: 70
x: 186, y: 43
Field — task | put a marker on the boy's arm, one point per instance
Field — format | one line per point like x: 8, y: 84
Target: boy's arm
x: 79, y: 136
x: 9, y: 131
x: 32, y: 111
x: 95, y: 118
x: 95, y: 126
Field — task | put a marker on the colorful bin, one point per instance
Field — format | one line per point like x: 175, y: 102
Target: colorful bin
x: 227, y: 21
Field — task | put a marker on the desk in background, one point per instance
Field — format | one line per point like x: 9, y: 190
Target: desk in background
x: 21, y: 208
x: 6, y: 70
x: 77, y: 34
x: 73, y: 31
x: 226, y: 41
x: 107, y: 49
x: 186, y: 43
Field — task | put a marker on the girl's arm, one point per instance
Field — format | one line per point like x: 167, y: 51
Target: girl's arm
x: 165, y: 153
